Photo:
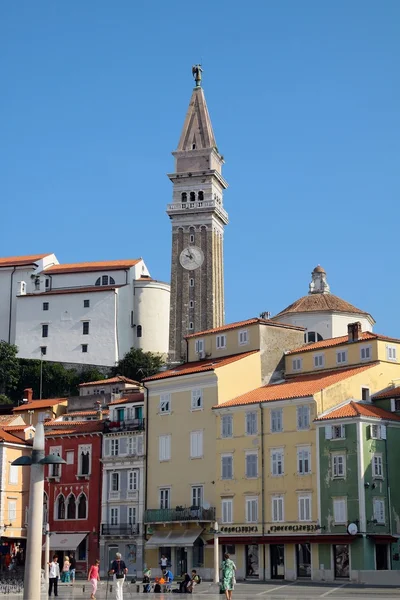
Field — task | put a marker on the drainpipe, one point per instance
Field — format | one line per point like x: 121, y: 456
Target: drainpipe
x: 389, y: 497
x: 262, y: 483
x: 10, y: 309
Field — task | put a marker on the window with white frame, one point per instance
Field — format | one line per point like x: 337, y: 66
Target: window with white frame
x: 365, y: 394
x: 55, y: 470
x: 277, y: 509
x: 197, y: 495
x: 165, y: 403
x: 165, y: 497
x: 197, y: 399
x: 379, y: 510
x: 115, y: 482
x: 251, y: 423
x: 377, y: 466
x: 12, y: 510
x: 365, y: 352
x: 243, y: 337
x: 84, y: 459
x: 164, y: 447
x: 276, y: 420
x: 377, y: 432
x: 114, y: 447
x: 226, y: 466
x: 338, y: 466
x: 304, y: 460
x: 133, y: 480
x: 227, y: 426
x: 251, y: 510
x: 304, y: 504
x: 196, y: 444
x: 135, y: 445
x: 319, y: 360
x: 13, y: 475
x: 114, y: 515
x: 227, y: 510
x: 341, y: 357
x: 277, y: 461
x: 334, y: 432
x: 221, y: 341
x: 251, y: 464
x: 303, y: 417
x: 131, y: 515
x: 199, y: 346
x: 340, y: 510
x: 391, y: 353
x: 297, y: 364
x: 69, y: 457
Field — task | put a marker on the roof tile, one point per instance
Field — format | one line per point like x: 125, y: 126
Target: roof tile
x: 72, y: 427
x: 238, y: 324
x: 81, y: 290
x: 357, y: 409
x: 338, y: 341
x: 107, y: 265
x: 36, y: 404
x: 393, y: 392
x: 320, y: 303
x: 128, y: 398
x: 20, y: 261
x: 117, y: 379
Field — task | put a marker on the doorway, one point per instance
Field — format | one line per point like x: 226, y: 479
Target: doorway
x: 381, y: 555
x: 303, y: 560
x: 252, y: 560
x: 341, y: 558
x: 277, y: 555
x: 181, y: 561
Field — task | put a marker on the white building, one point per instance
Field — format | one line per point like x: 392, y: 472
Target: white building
x: 84, y: 313
x: 321, y: 313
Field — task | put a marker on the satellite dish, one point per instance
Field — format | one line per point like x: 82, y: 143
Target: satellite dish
x: 352, y: 529
x: 206, y: 505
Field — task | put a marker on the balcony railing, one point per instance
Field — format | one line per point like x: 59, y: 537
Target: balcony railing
x: 180, y: 513
x: 121, y: 529
x: 127, y: 425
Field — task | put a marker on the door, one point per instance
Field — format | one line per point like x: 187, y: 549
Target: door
x: 252, y: 560
x: 381, y: 555
x: 277, y: 555
x: 341, y: 559
x: 112, y: 550
x: 181, y: 561
x: 303, y: 560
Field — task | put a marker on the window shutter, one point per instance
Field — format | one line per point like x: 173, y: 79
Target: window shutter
x: 140, y: 445
x: 107, y: 448
x: 342, y: 431
x: 161, y: 447
x: 328, y: 432
x: 392, y: 404
x: 383, y: 432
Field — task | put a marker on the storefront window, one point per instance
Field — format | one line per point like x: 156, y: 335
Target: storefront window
x: 198, y: 553
x: 341, y: 557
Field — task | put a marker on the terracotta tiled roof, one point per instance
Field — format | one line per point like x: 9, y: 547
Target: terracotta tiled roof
x: 129, y: 398
x: 337, y: 341
x: 84, y: 413
x: 199, y: 366
x: 5, y: 419
x: 117, y: 379
x: 20, y: 261
x: 107, y: 265
x: 73, y: 428
x: 11, y: 428
x: 300, y: 386
x: 320, y: 303
x: 239, y: 324
x: 82, y: 290
x: 357, y: 409
x: 38, y: 404
x: 393, y: 392
x: 5, y: 436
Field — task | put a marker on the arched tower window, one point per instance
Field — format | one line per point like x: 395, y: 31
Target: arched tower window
x: 71, y: 508
x: 201, y: 196
x: 192, y: 197
x: 60, y: 507
x: 184, y: 197
x: 139, y: 331
x: 82, y: 507
x: 105, y: 280
x: 312, y: 336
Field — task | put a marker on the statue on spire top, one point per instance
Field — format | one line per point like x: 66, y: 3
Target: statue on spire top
x: 196, y: 72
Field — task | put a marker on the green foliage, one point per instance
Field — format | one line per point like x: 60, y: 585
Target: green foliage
x: 5, y: 399
x: 9, y: 367
x: 137, y: 364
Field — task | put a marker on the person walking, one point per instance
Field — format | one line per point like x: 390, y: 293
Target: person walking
x: 93, y: 577
x: 65, y: 571
x: 228, y: 576
x: 163, y: 562
x: 72, y: 567
x: 118, y: 570
x: 54, y: 574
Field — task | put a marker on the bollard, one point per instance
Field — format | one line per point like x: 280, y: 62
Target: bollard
x: 137, y: 588
x: 83, y: 589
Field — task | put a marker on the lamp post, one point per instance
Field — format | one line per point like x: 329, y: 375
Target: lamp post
x: 216, y: 552
x: 35, y: 516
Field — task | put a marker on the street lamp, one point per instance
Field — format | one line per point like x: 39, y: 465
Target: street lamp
x: 35, y: 516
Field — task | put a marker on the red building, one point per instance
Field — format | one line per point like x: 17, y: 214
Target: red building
x: 73, y: 490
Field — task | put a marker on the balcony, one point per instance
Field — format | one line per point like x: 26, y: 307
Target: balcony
x: 179, y: 514
x: 121, y: 529
x: 127, y: 425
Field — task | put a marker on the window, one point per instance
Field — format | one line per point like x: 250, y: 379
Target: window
x: 221, y: 341
x: 365, y: 394
x: 277, y: 462
x: 304, y: 461
x: 277, y: 509
x: 227, y: 510
x: 227, y: 466
x: 196, y: 444
x: 13, y: 475
x: 303, y: 417
x: 85, y: 328
x: 191, y: 282
x: 43, y: 350
x: 84, y: 459
x: 251, y: 464
x: 191, y: 238
x: 165, y: 403
x: 191, y: 304
x: 47, y: 283
x: 197, y: 495
x: 135, y: 445
x: 296, y: 364
x: 69, y: 457
x: 304, y: 507
x: 319, y: 360
x: 131, y: 515
x: 276, y: 420
x: 200, y: 196
x: 377, y: 466
x: 251, y: 423
x: 226, y: 426
x: 197, y: 399
x: 341, y: 357
x: 184, y: 197
x: 243, y: 336
x: 365, y: 352
x: 45, y: 306
x: 115, y: 447
x: 86, y: 304
x: 377, y: 432
x: 340, y: 510
x: 165, y: 497
x: 199, y: 346
x: 45, y: 330
x: 391, y: 353
x: 82, y: 507
x: 379, y: 510
x: 12, y: 510
x: 139, y: 331
x: 55, y: 470
x: 334, y: 432
x: 115, y: 482
x: 60, y: 507
x: 192, y: 196
x: 114, y: 516
x: 251, y: 510
x: 133, y: 480
x: 164, y: 447
x: 71, y: 507
x: 338, y: 466
x: 84, y: 348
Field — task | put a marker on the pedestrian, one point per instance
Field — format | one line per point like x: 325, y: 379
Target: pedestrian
x: 72, y: 567
x: 94, y: 577
x: 118, y: 570
x: 54, y: 574
x: 168, y: 576
x: 65, y: 570
x: 228, y: 576
x: 163, y: 562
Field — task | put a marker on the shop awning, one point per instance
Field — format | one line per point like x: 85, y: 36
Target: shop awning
x: 286, y: 539
x: 67, y: 541
x: 381, y: 538
x: 186, y: 537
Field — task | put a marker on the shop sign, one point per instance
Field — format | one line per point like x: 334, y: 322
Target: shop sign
x: 240, y: 529
x: 293, y: 528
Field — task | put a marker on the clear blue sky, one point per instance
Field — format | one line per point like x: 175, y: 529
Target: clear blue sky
x: 305, y: 102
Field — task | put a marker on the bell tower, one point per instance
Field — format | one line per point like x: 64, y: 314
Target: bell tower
x: 198, y: 220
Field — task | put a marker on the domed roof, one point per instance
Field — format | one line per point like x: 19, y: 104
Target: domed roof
x: 319, y: 269
x: 321, y: 302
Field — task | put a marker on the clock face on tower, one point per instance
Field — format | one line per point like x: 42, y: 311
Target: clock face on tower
x: 191, y: 258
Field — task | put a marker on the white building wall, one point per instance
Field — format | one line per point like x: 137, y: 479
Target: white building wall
x: 341, y: 321
x: 151, y: 312
x: 125, y: 330
x: 327, y: 324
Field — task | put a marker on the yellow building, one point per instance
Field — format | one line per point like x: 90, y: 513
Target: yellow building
x: 33, y: 411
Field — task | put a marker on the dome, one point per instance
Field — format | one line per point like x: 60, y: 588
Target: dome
x: 319, y: 269
x: 321, y: 303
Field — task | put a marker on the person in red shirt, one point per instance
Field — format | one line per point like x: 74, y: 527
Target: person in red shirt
x: 93, y: 577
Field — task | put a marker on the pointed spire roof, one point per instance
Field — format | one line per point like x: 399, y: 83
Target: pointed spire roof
x: 197, y: 132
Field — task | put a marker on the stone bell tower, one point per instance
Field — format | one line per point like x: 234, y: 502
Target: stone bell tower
x: 198, y: 220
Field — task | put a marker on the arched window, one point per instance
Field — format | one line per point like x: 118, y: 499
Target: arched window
x: 85, y: 463
x: 184, y: 197
x: 201, y: 196
x: 192, y: 197
x: 60, y: 507
x: 105, y: 280
x: 71, y: 509
x: 82, y: 505
x: 312, y: 336
x: 139, y: 331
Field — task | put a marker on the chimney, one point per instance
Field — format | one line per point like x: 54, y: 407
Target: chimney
x: 354, y: 331
x: 28, y: 394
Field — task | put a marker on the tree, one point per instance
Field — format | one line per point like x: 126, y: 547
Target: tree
x: 5, y: 399
x: 9, y: 367
x: 137, y: 364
